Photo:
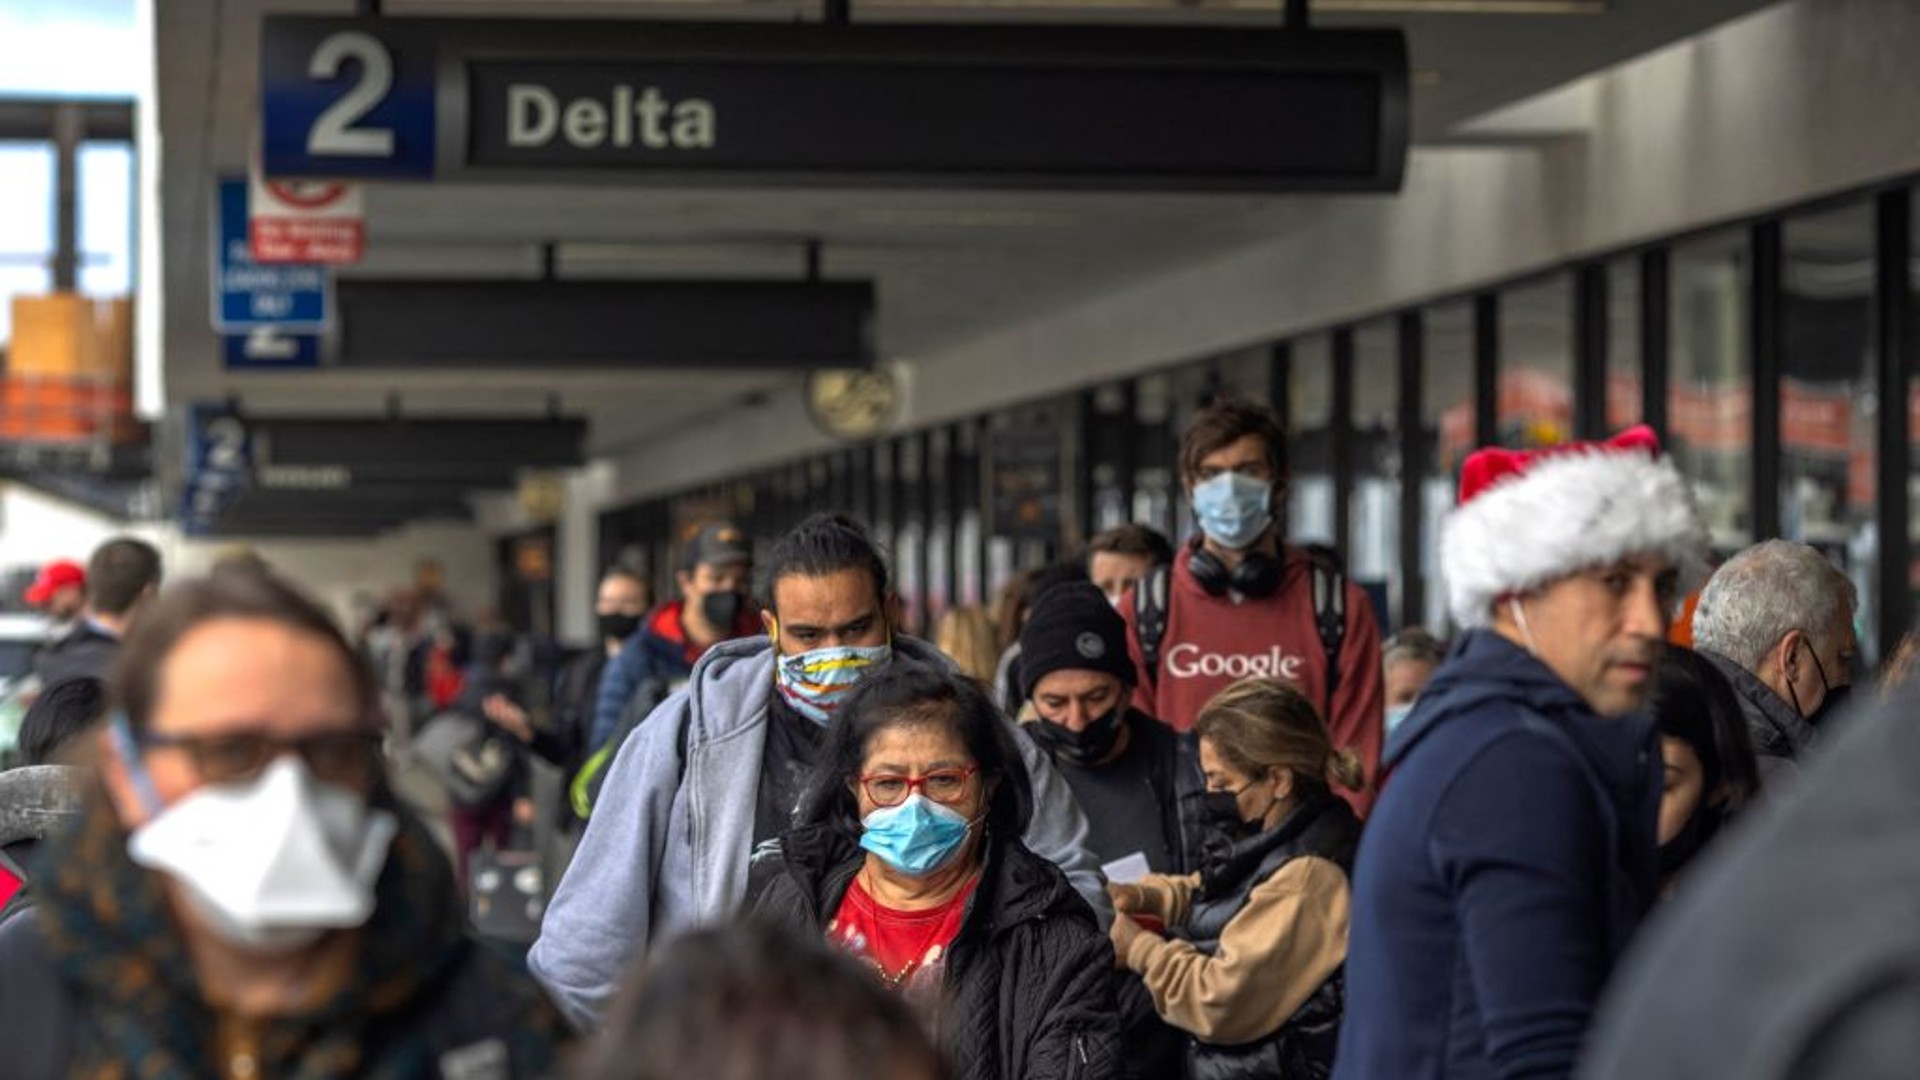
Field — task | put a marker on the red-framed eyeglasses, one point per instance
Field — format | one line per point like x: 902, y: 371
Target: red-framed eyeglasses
x: 940, y: 785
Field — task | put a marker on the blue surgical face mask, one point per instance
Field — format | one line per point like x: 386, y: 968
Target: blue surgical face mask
x: 917, y: 837
x: 1233, y: 509
x: 1396, y: 714
x: 815, y: 682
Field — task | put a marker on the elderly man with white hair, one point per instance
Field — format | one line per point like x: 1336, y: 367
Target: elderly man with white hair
x: 1777, y: 619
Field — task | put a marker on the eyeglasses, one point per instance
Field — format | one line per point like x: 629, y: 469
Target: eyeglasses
x: 940, y: 785
x: 346, y: 758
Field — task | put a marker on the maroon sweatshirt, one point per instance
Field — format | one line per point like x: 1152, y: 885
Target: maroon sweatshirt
x: 1213, y: 642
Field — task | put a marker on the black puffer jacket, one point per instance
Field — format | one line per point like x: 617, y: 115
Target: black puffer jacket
x: 1781, y: 736
x: 1029, y: 978
x: 1303, y: 1047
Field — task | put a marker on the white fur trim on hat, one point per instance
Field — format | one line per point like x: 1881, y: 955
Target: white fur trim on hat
x: 1566, y: 513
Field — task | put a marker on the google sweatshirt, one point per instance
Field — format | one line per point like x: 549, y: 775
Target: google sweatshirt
x: 1213, y: 642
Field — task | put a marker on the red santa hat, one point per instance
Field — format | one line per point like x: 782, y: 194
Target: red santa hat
x: 1528, y: 518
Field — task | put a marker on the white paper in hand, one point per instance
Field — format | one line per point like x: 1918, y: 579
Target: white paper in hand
x: 1127, y: 870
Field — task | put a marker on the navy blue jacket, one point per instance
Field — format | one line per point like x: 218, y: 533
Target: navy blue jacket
x: 1508, y: 861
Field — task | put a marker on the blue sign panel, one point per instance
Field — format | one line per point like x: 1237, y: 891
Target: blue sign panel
x: 271, y: 349
x: 247, y: 294
x: 219, y: 464
x: 346, y: 99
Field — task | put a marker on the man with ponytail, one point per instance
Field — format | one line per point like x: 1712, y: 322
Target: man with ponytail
x: 1512, y: 853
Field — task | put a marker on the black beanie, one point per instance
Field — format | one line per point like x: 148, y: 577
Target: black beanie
x: 1073, y: 628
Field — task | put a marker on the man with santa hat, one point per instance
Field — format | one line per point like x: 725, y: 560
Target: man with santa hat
x: 1512, y: 853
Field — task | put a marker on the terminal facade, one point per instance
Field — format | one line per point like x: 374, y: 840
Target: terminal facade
x: 1699, y: 220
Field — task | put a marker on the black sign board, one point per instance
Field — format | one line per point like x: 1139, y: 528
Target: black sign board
x: 1027, y: 472
x: 318, y: 453
x: 470, y: 325
x: 265, y: 475
x: 1020, y: 106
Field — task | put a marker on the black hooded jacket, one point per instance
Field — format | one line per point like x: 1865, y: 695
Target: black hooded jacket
x: 86, y: 653
x: 1029, y: 978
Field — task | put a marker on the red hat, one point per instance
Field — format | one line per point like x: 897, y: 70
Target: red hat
x: 1527, y: 518
x: 52, y: 578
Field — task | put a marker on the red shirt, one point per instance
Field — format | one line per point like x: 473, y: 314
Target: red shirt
x: 908, y: 947
x: 1213, y: 642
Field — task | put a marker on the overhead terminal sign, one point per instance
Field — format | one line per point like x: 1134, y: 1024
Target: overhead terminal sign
x: 601, y: 325
x: 1039, y: 106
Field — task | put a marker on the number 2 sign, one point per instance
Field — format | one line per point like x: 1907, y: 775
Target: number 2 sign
x: 354, y: 101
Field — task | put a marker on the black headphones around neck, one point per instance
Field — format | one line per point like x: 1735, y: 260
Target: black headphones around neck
x: 1257, y: 576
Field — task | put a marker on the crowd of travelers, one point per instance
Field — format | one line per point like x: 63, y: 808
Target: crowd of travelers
x: 1169, y: 810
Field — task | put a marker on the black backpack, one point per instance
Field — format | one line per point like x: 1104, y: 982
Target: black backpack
x: 1151, y: 600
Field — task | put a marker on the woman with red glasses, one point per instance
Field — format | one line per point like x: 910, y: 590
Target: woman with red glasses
x: 906, y: 852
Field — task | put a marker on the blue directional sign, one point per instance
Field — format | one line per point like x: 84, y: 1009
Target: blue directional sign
x: 346, y: 99
x: 247, y: 294
x: 268, y: 348
x: 219, y: 464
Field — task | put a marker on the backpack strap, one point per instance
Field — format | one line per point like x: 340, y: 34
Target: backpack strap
x: 1329, y: 583
x: 585, y: 789
x: 1150, y: 602
x: 1329, y: 611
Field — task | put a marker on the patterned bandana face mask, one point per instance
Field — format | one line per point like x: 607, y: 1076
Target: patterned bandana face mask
x: 815, y: 682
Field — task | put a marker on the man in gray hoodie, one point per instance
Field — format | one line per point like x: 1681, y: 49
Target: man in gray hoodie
x: 711, y: 779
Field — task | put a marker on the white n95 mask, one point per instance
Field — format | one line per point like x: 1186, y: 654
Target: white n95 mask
x: 274, y: 862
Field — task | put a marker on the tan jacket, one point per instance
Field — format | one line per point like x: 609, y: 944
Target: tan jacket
x: 1289, y: 938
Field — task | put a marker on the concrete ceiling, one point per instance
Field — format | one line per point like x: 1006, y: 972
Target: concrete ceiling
x: 949, y: 265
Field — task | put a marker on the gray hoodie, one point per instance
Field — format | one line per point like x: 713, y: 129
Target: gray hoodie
x: 668, y: 843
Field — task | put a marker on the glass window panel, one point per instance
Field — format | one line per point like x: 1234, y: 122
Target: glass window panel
x: 106, y: 220
x: 1626, y: 372
x: 1447, y: 421
x: 26, y: 227
x: 911, y: 530
x: 1373, y: 510
x: 940, y: 538
x: 1310, y: 430
x: 967, y: 539
x: 1829, y: 413
x: 1194, y: 388
x: 1535, y: 391
x: 1154, y: 483
x: 884, y: 513
x: 1710, y: 381
x: 1109, y: 440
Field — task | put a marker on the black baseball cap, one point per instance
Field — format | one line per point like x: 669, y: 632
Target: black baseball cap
x: 718, y: 543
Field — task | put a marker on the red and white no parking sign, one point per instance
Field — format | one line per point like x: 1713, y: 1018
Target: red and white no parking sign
x: 305, y: 221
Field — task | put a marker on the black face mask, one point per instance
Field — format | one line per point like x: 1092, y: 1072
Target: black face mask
x: 1087, y: 746
x: 1690, y: 840
x: 1222, y: 810
x: 618, y: 627
x: 722, y: 609
x: 1831, y: 703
